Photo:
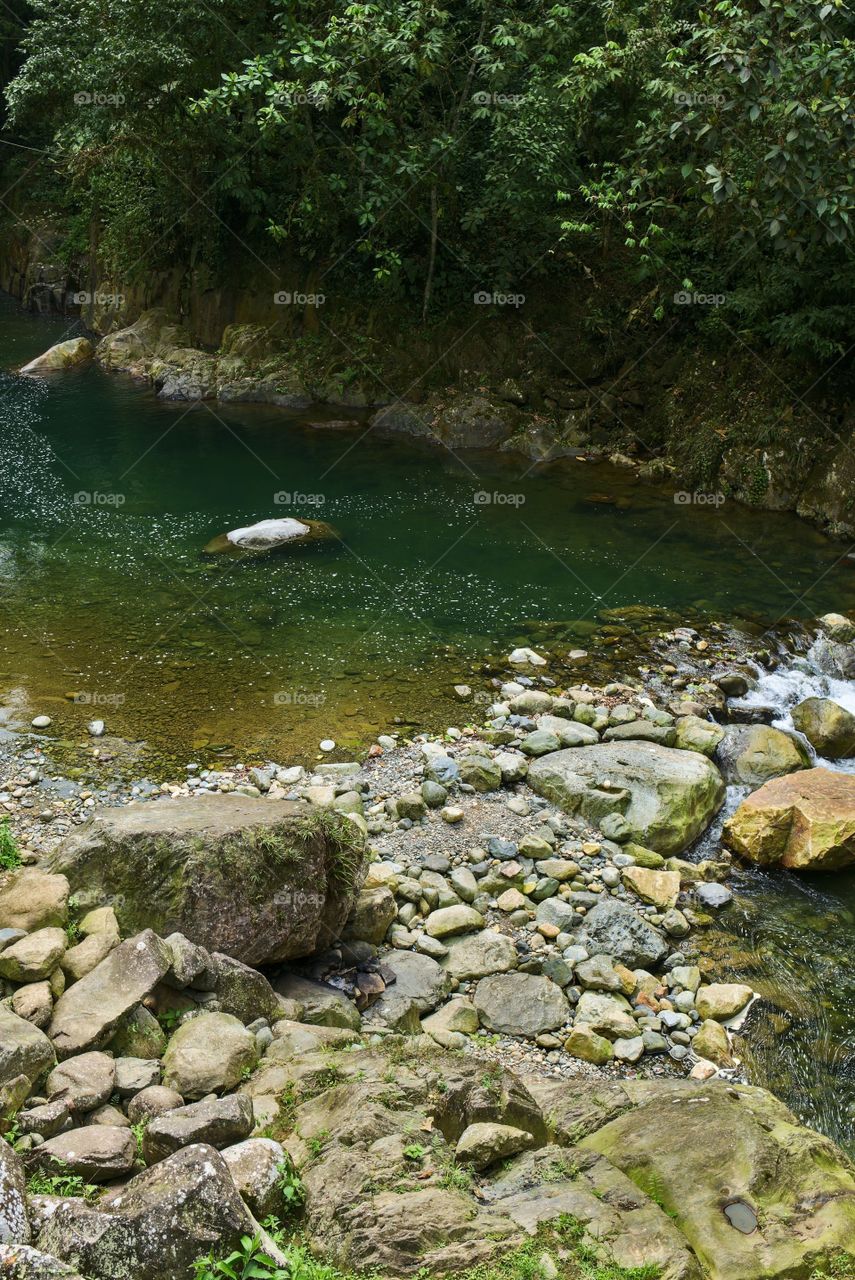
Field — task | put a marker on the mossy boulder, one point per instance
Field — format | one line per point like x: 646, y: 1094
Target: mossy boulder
x: 828, y: 727
x: 667, y: 797
x: 261, y: 880
x: 751, y: 754
x: 730, y: 1143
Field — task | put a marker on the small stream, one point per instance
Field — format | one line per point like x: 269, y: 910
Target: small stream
x: 792, y: 937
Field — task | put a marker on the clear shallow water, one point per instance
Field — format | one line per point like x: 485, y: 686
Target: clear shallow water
x: 792, y: 938
x: 110, y: 596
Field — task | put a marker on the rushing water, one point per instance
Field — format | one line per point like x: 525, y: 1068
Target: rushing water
x: 108, y: 595
x: 791, y: 936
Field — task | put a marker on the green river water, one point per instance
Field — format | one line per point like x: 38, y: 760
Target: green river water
x: 109, y: 595
x: 111, y: 598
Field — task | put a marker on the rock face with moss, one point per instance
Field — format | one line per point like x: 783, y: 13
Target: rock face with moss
x: 261, y: 880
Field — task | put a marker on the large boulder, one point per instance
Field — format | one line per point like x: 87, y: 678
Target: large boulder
x: 158, y: 1225
x: 733, y: 1145
x: 751, y: 754
x: 257, y: 1166
x: 208, y: 1054
x: 828, y: 727
x: 520, y: 1004
x: 479, y: 954
x: 261, y: 880
x: 85, y: 1016
x: 667, y: 797
x: 63, y: 355
x: 805, y: 821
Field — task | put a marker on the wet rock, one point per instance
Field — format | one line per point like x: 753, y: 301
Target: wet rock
x: 246, y: 876
x: 828, y: 727
x: 63, y: 355
x: 208, y: 1054
x: 271, y: 535
x: 694, y: 734
x: 219, y: 1123
x: 711, y: 1042
x: 722, y: 1000
x: 750, y: 755
x: 805, y: 820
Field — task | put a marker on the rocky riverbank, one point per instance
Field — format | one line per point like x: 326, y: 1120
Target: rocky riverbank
x: 661, y: 423
x: 436, y: 1008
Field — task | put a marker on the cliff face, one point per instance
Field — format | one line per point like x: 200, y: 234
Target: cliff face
x: 529, y: 377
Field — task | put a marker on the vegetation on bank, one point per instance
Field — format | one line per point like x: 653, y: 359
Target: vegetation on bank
x: 421, y: 152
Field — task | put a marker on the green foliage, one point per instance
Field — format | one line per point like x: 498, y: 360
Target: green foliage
x: 59, y: 1183
x: 841, y: 1267
x: 415, y: 1151
x: 10, y: 858
x: 250, y: 1262
x: 291, y: 1186
x: 424, y: 151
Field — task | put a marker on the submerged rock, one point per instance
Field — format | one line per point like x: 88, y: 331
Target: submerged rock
x: 63, y: 355
x: 667, y: 797
x: 271, y: 535
x: 805, y: 821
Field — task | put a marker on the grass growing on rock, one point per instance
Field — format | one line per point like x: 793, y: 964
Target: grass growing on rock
x: 560, y: 1251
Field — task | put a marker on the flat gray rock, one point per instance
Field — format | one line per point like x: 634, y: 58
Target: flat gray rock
x: 520, y: 1004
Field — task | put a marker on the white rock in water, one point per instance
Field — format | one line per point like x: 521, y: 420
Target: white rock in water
x: 41, y: 722
x: 267, y: 533
x: 525, y: 658
x: 327, y: 745
x: 95, y: 728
